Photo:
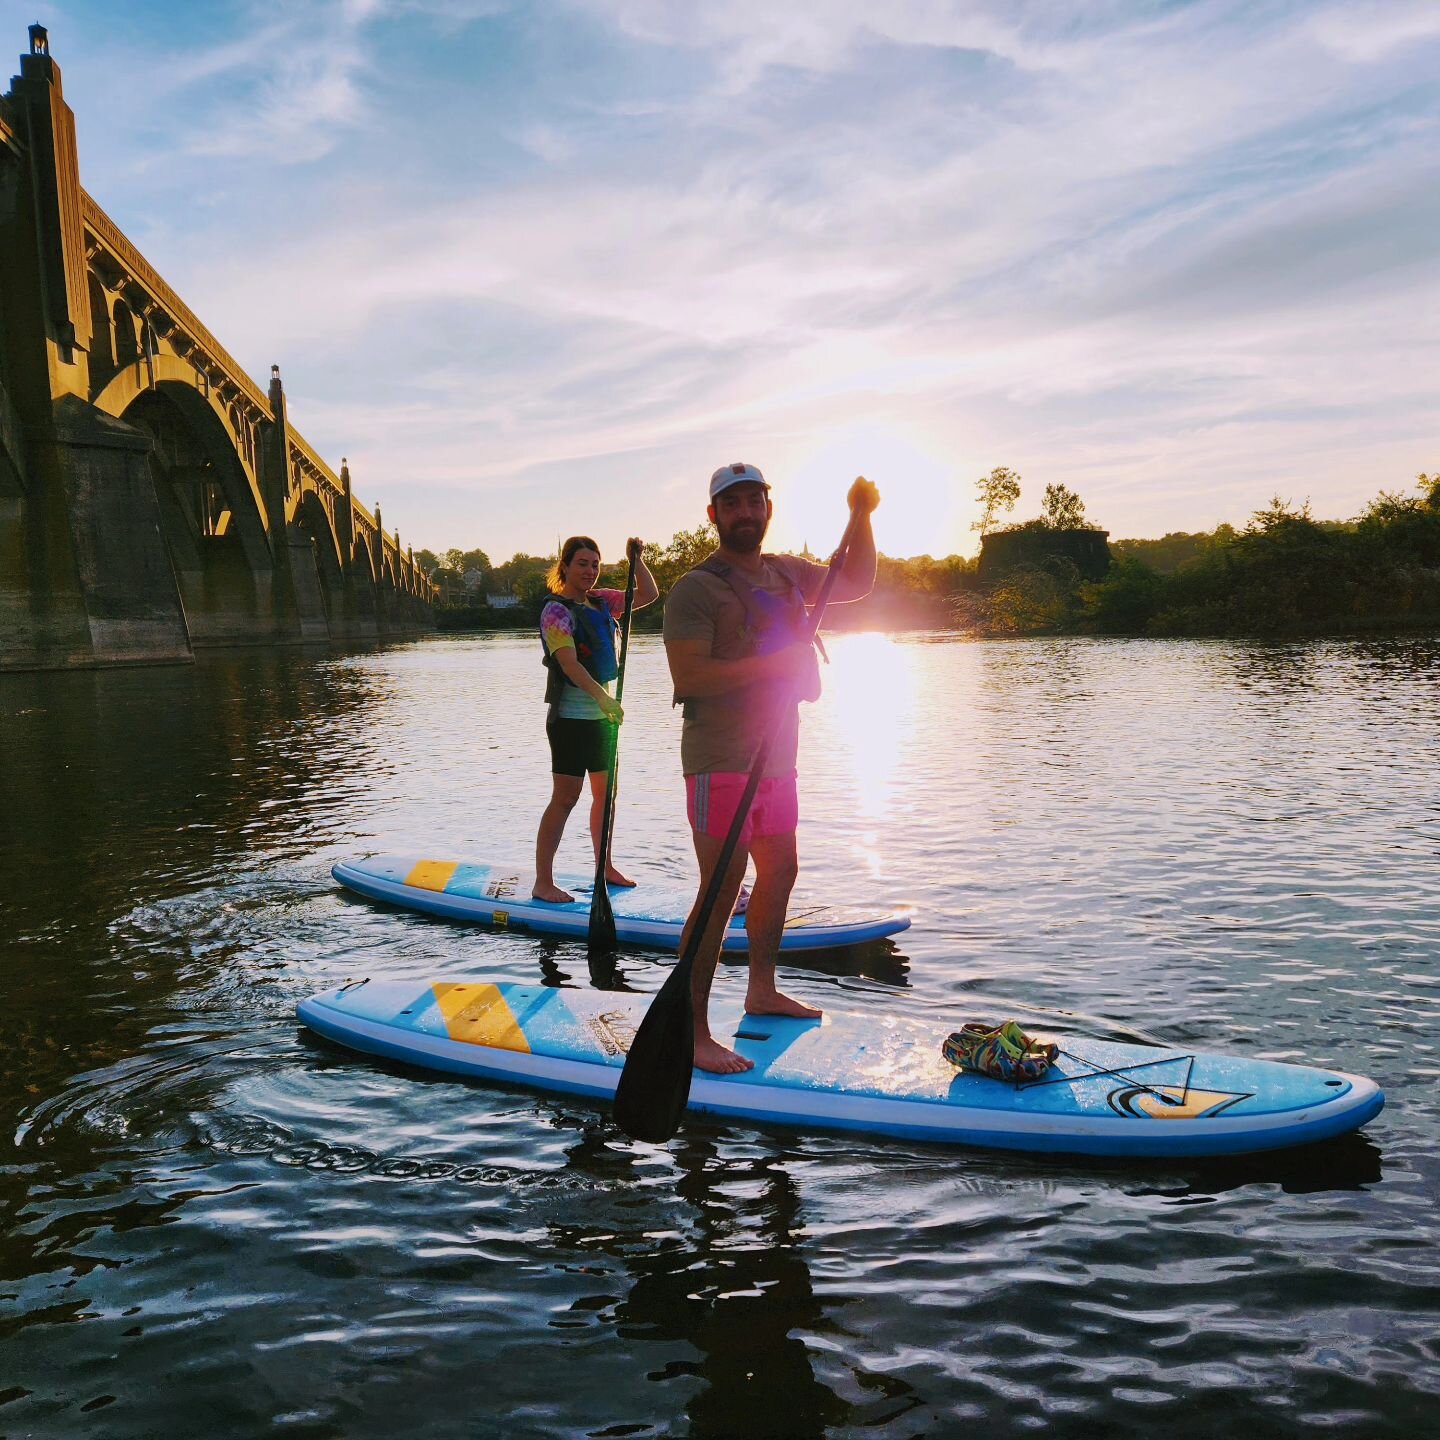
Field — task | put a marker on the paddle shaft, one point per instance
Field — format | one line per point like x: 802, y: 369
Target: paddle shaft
x: 648, y: 1106
x: 601, y: 934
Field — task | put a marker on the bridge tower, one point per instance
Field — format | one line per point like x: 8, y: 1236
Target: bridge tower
x: 298, y: 588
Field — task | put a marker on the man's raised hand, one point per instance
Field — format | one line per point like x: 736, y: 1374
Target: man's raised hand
x: 863, y: 496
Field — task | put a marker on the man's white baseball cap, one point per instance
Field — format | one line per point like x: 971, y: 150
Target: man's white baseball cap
x: 736, y: 474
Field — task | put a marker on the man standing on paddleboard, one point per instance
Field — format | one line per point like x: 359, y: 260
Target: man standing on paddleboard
x: 741, y: 661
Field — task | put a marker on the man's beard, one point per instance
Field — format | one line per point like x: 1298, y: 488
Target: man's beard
x: 742, y: 537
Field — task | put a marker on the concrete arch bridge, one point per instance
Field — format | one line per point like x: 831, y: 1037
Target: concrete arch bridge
x: 152, y: 497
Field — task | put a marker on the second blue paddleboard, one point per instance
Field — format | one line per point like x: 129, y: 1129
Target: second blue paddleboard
x: 651, y: 916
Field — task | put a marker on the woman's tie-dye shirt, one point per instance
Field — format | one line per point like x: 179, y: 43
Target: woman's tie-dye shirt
x: 558, y: 629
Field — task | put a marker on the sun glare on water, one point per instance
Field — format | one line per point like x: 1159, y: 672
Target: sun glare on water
x: 862, y: 731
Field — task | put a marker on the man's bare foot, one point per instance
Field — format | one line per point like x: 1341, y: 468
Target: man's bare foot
x: 772, y: 1002
x: 712, y: 1056
x: 614, y: 877
x: 551, y: 894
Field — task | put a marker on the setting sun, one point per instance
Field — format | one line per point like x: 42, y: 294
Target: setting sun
x: 925, y: 506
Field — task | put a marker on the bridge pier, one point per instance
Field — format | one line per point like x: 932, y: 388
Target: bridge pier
x: 132, y: 604
x: 357, y: 620
x: 298, y: 595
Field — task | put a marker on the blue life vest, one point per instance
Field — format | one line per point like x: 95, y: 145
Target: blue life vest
x: 596, y: 632
x: 771, y: 622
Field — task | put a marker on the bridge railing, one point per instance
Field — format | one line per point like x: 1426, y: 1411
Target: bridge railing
x: 332, y: 481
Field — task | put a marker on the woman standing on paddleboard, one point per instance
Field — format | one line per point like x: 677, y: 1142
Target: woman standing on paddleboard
x: 578, y: 631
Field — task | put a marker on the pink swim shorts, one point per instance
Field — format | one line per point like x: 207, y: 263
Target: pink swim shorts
x: 710, y: 801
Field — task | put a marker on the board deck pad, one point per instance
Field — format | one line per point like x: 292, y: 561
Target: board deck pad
x: 875, y: 1072
x: 650, y: 915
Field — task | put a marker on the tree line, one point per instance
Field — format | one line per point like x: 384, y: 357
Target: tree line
x: 1284, y: 572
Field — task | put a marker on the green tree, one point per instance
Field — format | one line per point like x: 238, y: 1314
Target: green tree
x: 998, y: 491
x: 1032, y: 599
x: 532, y: 589
x: 1063, y: 509
x: 452, y: 589
x: 1169, y: 553
x: 1278, y: 515
x: 460, y: 561
x: 509, y: 577
x: 1389, y: 506
x: 1124, y: 601
x: 687, y: 548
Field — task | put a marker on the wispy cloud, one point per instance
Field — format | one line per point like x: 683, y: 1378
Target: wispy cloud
x: 296, y: 78
x: 1369, y: 31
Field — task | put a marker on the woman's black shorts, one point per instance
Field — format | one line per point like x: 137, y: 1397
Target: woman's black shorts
x: 578, y: 745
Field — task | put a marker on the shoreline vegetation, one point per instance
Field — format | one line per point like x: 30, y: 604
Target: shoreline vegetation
x: 1285, y: 574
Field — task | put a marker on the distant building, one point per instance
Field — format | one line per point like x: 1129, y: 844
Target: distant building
x: 473, y: 579
x: 502, y: 602
x: 1087, y: 549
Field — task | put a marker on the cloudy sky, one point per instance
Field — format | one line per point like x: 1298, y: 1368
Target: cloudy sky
x: 540, y: 266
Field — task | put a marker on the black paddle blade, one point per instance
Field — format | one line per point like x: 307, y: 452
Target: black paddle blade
x: 601, y: 935
x: 655, y: 1083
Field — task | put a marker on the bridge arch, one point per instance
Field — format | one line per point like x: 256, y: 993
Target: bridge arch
x: 127, y: 343
x: 211, y: 515
x: 313, y: 519
x: 178, y: 379
x: 102, y: 335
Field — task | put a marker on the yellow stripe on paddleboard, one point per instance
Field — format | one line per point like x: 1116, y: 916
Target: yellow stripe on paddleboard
x: 432, y: 874
x: 480, y: 1015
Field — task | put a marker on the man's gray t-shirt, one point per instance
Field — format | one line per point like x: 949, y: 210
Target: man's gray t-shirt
x: 721, y: 732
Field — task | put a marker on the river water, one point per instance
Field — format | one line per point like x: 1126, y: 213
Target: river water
x: 213, y: 1224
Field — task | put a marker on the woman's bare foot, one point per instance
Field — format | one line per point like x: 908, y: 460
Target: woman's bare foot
x: 551, y: 894
x: 772, y: 1002
x: 712, y: 1056
x: 614, y: 877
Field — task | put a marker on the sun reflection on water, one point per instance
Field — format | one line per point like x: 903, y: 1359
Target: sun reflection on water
x: 860, y: 735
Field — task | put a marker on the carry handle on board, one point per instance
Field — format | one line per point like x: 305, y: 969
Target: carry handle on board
x: 654, y: 1084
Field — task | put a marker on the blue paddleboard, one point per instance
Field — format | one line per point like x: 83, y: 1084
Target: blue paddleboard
x: 649, y: 915
x: 878, y: 1073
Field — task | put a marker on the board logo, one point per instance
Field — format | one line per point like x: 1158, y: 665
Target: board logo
x: 614, y: 1031
x: 500, y: 889
x: 1171, y: 1102
x: 500, y: 919
x: 802, y: 918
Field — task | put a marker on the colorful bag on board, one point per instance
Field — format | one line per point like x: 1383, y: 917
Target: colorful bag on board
x: 1004, y: 1052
